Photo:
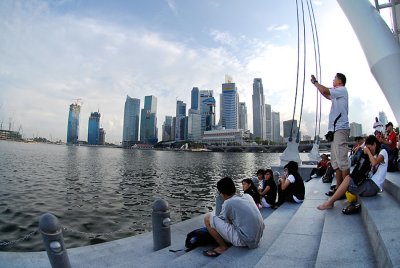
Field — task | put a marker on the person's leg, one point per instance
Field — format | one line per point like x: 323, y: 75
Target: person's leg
x: 342, y: 160
x: 338, y: 194
x: 222, y: 246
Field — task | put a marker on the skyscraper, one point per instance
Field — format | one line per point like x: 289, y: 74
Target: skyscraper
x: 287, y: 126
x: 131, y: 122
x: 242, y: 116
x: 94, y: 129
x: 229, y: 106
x: 258, y: 109
x: 73, y: 123
x: 276, y: 127
x: 268, y: 122
x: 195, y: 99
x: 383, y: 118
x: 181, y: 121
x: 148, y: 121
x: 207, y: 110
x: 355, y: 129
x: 167, y: 129
x: 102, y: 136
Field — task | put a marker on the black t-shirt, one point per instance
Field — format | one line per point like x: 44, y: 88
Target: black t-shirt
x: 270, y: 197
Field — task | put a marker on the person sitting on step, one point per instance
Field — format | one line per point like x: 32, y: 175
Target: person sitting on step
x: 250, y: 189
x: 268, y: 190
x: 378, y: 158
x: 240, y: 222
x: 290, y: 185
x: 321, y: 167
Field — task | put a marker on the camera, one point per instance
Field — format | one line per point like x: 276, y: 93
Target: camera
x: 329, y: 136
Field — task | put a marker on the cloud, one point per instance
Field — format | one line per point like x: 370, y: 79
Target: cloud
x: 223, y: 38
x: 282, y: 27
x: 172, y: 6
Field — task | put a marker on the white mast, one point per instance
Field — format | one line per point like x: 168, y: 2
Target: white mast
x: 381, y: 48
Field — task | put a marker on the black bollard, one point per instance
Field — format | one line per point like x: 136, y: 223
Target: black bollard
x: 161, y: 225
x: 53, y: 240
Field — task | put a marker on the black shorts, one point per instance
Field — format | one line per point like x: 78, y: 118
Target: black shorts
x: 367, y: 188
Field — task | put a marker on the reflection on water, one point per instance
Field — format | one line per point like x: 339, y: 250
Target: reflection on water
x: 107, y: 190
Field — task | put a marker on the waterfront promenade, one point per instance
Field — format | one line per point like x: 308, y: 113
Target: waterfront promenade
x: 294, y: 236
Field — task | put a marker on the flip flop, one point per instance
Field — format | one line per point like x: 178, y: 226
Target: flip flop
x: 211, y: 253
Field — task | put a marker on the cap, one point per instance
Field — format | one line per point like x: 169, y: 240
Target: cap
x: 389, y: 124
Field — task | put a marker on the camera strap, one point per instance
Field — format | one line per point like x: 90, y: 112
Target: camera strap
x: 334, y: 122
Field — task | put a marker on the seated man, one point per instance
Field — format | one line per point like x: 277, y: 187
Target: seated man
x: 240, y: 222
x: 321, y: 167
x: 390, y: 145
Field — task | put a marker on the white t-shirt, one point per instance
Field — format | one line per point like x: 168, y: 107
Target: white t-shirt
x: 291, y: 178
x: 380, y: 174
x: 340, y: 105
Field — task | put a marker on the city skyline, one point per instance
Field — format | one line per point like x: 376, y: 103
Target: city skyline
x: 55, y: 52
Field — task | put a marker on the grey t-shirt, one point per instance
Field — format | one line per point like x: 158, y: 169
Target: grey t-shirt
x: 340, y: 105
x: 243, y: 214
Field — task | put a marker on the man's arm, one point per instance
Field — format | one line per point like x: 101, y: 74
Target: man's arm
x: 324, y: 90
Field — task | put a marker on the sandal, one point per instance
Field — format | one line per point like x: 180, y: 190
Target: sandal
x: 353, y: 208
x: 330, y: 192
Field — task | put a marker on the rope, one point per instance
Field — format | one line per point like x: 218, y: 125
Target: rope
x: 304, y: 72
x: 298, y: 63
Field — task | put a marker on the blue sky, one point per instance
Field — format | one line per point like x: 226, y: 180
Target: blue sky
x: 53, y: 52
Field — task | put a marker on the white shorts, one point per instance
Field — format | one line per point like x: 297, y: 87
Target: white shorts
x: 227, y: 231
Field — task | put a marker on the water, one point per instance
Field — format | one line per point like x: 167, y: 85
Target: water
x: 103, y: 194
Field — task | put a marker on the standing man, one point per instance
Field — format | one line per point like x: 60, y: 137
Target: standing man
x: 338, y: 124
x: 240, y: 222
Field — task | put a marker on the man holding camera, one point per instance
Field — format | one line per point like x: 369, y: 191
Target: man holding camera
x: 338, y: 127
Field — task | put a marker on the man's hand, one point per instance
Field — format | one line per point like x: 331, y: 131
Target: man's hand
x: 313, y: 79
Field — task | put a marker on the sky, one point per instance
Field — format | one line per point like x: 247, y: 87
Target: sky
x: 54, y: 52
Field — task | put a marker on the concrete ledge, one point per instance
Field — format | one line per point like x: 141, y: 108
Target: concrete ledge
x: 392, y: 184
x: 381, y: 217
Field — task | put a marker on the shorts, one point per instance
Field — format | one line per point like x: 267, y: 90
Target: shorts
x: 340, y: 149
x: 366, y: 189
x: 227, y: 231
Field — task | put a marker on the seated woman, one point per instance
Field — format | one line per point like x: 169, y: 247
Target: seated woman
x: 268, y: 189
x: 369, y: 187
x: 291, y: 185
x: 251, y: 189
x: 321, y: 167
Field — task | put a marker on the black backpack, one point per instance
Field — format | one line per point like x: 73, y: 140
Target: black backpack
x: 361, y: 170
x: 197, y: 238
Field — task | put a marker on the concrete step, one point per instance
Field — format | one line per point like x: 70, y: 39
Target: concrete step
x: 381, y: 217
x: 344, y: 240
x: 297, y: 245
x: 392, y: 184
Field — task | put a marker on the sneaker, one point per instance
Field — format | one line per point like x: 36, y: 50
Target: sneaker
x: 314, y: 176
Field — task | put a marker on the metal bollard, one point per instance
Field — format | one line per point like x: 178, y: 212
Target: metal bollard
x: 53, y: 240
x: 161, y: 225
x: 218, y: 203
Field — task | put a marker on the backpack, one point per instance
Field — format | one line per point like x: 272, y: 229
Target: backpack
x: 197, y: 238
x: 361, y: 170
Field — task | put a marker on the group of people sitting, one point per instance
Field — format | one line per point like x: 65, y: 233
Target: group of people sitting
x: 240, y: 222
x: 266, y: 193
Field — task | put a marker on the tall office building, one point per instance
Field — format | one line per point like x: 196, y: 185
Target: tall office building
x: 207, y: 110
x: 195, y: 99
x: 94, y: 129
x: 102, y: 136
x: 383, y: 118
x: 167, y: 129
x: 194, y: 125
x: 287, y: 126
x: 355, y: 129
x: 268, y: 122
x: 130, y: 131
x: 73, y: 123
x: 181, y: 121
x: 229, y: 106
x: 242, y: 116
x: 276, y: 127
x: 258, y: 109
x: 148, y: 121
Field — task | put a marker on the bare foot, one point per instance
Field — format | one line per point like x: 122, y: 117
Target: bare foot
x: 220, y: 250
x: 324, y: 206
